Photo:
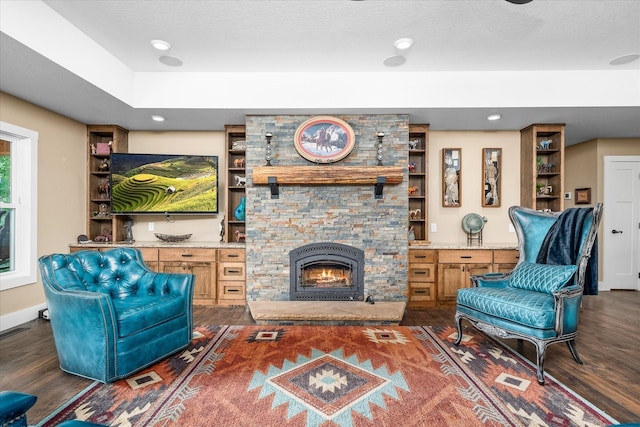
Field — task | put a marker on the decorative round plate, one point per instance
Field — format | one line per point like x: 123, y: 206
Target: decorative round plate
x: 473, y: 223
x: 324, y: 139
x: 174, y: 238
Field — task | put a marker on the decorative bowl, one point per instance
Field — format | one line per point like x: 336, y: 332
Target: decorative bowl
x: 172, y: 237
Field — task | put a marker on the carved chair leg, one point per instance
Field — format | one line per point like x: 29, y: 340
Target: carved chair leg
x: 540, y: 349
x: 574, y: 351
x: 458, y: 319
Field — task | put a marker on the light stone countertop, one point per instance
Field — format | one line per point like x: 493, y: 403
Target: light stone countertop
x: 160, y: 244
x: 464, y: 245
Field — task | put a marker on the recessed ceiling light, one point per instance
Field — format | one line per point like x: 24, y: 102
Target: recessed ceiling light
x: 624, y: 59
x: 395, y: 60
x: 494, y: 117
x: 403, y: 43
x: 157, y: 118
x: 171, y: 61
x: 160, y: 44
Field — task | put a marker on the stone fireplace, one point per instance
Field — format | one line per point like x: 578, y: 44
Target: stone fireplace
x: 326, y: 272
x: 316, y: 214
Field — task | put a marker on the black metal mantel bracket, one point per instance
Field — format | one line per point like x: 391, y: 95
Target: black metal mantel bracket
x: 382, y: 180
x: 273, y: 185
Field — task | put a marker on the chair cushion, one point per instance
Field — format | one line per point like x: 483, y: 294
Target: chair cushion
x: 545, y: 278
x: 529, y: 308
x: 137, y: 313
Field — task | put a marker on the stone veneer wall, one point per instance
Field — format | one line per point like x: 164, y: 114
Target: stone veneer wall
x: 311, y: 214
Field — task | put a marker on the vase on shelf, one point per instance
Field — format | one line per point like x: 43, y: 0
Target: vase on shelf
x: 239, y: 212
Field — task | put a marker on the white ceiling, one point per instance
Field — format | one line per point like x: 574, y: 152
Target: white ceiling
x: 470, y: 58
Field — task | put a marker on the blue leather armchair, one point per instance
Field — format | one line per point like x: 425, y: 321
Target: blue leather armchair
x: 110, y: 315
x: 539, y: 301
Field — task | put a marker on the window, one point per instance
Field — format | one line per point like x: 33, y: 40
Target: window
x: 18, y: 206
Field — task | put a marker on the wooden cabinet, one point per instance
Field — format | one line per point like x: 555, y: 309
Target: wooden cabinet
x: 505, y: 260
x: 236, y: 176
x: 422, y: 278
x: 231, y: 277
x: 418, y: 183
x: 197, y: 261
x: 542, y: 167
x: 455, y: 267
x: 102, y: 140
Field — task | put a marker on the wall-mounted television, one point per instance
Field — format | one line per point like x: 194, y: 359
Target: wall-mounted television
x: 163, y: 184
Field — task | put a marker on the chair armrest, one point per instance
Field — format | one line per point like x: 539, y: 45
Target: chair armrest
x: 490, y: 280
x: 567, y: 308
x: 82, y: 318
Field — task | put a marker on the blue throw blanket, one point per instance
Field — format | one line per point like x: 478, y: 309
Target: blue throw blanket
x: 561, y: 246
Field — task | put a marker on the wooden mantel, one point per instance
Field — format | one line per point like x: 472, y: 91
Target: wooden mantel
x: 328, y: 175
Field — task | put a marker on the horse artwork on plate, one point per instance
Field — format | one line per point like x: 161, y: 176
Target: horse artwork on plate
x: 324, y: 139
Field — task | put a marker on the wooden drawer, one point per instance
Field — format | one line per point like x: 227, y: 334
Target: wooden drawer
x: 422, y: 273
x: 506, y: 256
x: 422, y: 255
x: 231, y: 271
x: 231, y: 255
x: 475, y: 256
x: 187, y: 254
x: 423, y: 292
x: 149, y: 254
x: 231, y: 290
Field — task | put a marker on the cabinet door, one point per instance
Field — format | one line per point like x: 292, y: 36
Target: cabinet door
x: 451, y: 277
x: 505, y: 260
x: 204, y: 286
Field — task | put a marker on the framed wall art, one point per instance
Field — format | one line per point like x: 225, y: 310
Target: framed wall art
x: 583, y: 196
x: 491, y: 170
x: 451, y: 177
x: 324, y: 139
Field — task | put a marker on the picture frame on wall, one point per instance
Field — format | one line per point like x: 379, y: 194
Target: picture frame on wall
x: 324, y: 139
x: 583, y: 196
x: 451, y: 177
x: 491, y: 179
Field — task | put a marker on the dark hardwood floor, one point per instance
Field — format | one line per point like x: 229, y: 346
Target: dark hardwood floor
x: 608, y: 341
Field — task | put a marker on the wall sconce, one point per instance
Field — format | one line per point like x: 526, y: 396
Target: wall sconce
x: 267, y: 154
x: 380, y: 138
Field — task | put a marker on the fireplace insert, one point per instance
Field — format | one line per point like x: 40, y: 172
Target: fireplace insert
x: 326, y: 271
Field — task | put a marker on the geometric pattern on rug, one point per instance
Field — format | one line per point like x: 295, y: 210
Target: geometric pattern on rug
x: 328, y: 387
x: 334, y: 376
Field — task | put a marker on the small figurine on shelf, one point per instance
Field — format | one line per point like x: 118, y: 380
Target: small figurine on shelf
x: 94, y: 150
x: 240, y: 236
x: 412, y: 233
x: 412, y: 167
x: 104, y: 165
x: 414, y: 213
x: 128, y: 231
x: 104, y: 189
x: 222, y: 230
x: 239, y: 211
x: 238, y: 163
x: 241, y: 180
x: 545, y: 144
x: 106, y: 236
x: 413, y: 144
x: 413, y: 190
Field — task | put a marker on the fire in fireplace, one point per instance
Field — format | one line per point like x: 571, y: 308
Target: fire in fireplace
x: 327, y: 271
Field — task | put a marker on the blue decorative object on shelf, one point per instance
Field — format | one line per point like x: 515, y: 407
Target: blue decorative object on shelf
x: 240, y: 212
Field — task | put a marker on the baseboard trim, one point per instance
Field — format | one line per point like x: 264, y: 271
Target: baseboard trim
x: 19, y: 317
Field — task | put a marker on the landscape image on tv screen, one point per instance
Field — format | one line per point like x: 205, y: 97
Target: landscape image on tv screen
x: 163, y: 183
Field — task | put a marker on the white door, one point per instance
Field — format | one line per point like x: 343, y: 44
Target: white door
x: 621, y: 223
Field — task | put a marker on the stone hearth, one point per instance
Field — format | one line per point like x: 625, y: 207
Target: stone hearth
x: 326, y: 313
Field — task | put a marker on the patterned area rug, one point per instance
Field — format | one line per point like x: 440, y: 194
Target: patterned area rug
x: 334, y: 376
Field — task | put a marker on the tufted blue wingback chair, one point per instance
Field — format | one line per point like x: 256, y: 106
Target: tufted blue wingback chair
x: 539, y: 301
x: 110, y: 315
